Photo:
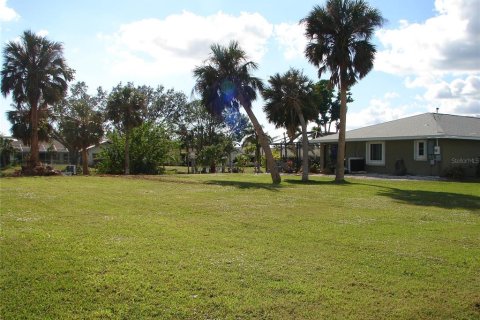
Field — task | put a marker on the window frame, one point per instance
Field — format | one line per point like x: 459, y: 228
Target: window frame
x: 416, y: 149
x: 371, y: 162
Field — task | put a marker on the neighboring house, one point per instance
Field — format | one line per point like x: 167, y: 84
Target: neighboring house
x: 425, y: 144
x: 52, y: 152
x: 93, y: 152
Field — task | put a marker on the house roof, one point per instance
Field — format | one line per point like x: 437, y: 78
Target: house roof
x: 52, y: 145
x: 422, y: 126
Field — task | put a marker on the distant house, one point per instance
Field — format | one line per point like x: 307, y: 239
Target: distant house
x: 425, y: 144
x: 52, y: 152
x: 93, y: 152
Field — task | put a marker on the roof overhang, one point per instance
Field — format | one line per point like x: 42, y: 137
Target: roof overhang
x: 333, y: 140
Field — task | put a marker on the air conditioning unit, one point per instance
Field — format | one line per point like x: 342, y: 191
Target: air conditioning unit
x: 436, y: 150
x: 355, y: 164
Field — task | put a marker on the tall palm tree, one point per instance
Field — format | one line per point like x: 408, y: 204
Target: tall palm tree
x: 125, y: 107
x: 225, y: 81
x: 289, y: 103
x: 339, y: 42
x: 35, y: 72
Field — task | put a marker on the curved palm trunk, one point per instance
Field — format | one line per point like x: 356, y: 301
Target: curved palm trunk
x: 340, y: 173
x: 305, y: 168
x: 85, y: 170
x: 276, y: 179
x: 127, y: 152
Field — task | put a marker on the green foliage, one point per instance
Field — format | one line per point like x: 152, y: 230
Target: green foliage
x: 21, y: 128
x: 454, y: 172
x: 150, y: 148
x: 125, y: 107
x: 6, y: 149
x: 80, y: 119
x: 288, y: 99
x: 34, y: 71
x: 242, y: 161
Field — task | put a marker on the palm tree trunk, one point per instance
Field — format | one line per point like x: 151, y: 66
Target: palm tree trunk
x: 305, y: 168
x: 85, y: 162
x: 340, y: 173
x: 276, y: 179
x: 127, y: 152
x: 34, y: 151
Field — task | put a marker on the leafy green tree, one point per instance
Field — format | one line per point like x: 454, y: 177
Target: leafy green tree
x: 328, y: 108
x: 126, y: 108
x: 339, y: 35
x: 34, y: 71
x: 6, y: 149
x: 225, y: 81
x: 164, y: 107
x: 251, y: 141
x: 21, y: 123
x: 80, y: 120
x: 289, y: 103
x: 151, y: 148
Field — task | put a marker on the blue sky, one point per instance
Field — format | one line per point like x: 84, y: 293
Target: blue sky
x: 428, y: 51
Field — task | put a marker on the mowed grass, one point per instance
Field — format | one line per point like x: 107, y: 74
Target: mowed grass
x: 235, y: 247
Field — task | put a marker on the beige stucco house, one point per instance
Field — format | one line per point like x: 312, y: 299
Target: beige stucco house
x: 425, y: 144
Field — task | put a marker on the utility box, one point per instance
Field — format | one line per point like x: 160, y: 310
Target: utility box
x: 71, y: 169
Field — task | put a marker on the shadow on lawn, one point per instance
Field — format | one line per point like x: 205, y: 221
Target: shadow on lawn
x: 245, y: 185
x: 318, y: 182
x: 446, y: 200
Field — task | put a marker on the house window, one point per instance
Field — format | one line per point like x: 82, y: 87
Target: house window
x: 376, y: 153
x: 420, y: 150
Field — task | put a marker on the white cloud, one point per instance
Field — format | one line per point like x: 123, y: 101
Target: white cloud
x: 446, y: 43
x: 42, y: 33
x: 291, y: 39
x: 6, y: 13
x: 379, y: 110
x: 179, y: 42
x: 446, y: 46
x: 460, y: 96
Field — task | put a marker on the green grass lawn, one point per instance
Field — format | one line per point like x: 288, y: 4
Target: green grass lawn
x: 236, y: 247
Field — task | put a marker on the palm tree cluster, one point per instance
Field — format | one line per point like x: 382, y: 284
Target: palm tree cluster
x: 339, y: 42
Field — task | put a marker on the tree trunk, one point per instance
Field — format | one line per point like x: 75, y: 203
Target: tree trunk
x: 85, y: 170
x: 340, y: 173
x: 34, y: 154
x: 305, y: 168
x: 276, y: 179
x: 127, y: 152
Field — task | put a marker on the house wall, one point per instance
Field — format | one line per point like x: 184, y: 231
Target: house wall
x: 463, y: 153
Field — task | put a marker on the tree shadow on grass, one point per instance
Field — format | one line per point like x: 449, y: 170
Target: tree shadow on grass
x: 245, y: 185
x: 319, y: 182
x: 446, y: 200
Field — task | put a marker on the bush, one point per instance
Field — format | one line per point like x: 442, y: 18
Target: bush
x: 150, y: 148
x: 454, y: 172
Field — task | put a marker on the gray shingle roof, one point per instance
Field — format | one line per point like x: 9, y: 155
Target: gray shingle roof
x: 422, y: 126
x: 42, y: 146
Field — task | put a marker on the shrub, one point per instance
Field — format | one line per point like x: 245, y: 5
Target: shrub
x: 454, y: 172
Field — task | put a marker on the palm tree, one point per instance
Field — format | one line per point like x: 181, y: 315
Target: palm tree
x: 125, y: 107
x: 224, y: 81
x: 36, y: 74
x: 289, y: 103
x: 339, y: 42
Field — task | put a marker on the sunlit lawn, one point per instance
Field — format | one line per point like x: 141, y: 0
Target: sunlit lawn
x: 235, y: 247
